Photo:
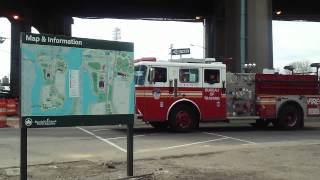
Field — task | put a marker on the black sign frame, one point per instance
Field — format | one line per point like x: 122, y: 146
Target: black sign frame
x: 72, y: 120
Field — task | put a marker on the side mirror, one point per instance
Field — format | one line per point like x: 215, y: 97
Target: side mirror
x: 317, y: 66
x: 152, y: 75
x: 224, y: 87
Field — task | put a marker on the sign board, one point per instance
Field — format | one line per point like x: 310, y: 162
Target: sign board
x: 68, y: 81
x: 180, y: 51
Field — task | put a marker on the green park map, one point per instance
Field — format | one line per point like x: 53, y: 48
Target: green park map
x: 73, y: 77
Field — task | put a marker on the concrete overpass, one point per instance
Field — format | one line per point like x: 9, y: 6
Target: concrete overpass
x: 237, y: 29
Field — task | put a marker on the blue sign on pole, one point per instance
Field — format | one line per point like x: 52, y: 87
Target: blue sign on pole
x: 180, y: 51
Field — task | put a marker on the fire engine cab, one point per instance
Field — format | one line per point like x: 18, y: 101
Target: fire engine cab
x: 181, y: 93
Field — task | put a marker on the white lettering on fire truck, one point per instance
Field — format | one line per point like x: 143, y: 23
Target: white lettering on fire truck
x: 313, y: 101
x: 210, y: 94
x: 211, y: 98
x: 214, y: 90
x: 313, y: 111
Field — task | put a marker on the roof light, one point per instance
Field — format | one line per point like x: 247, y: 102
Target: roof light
x: 150, y: 59
x: 278, y: 12
x: 248, y: 67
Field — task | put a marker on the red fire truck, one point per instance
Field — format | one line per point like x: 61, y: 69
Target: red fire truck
x: 181, y: 94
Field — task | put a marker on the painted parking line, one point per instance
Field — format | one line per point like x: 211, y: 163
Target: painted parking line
x: 124, y: 137
x: 97, y: 130
x: 104, y: 140
x: 179, y: 146
x: 215, y: 134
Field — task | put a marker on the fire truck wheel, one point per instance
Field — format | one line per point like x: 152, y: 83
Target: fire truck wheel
x: 159, y: 125
x: 182, y: 118
x: 290, y: 117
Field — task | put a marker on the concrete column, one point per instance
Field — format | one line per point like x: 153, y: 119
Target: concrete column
x: 223, y: 35
x: 61, y: 26
x: 259, y: 33
x: 232, y: 34
x: 16, y: 28
x: 208, y: 37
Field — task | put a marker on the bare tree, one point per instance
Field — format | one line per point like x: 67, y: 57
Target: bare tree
x: 301, y: 67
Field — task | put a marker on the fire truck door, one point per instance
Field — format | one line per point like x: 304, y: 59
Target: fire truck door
x: 156, y: 95
x: 214, y: 102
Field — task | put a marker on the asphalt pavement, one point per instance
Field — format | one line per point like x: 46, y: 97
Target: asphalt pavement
x: 108, y: 143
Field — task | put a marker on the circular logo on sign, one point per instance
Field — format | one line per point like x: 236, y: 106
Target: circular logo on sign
x: 28, y: 122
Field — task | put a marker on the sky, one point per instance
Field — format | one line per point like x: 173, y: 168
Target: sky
x: 292, y: 40
x: 151, y: 38
x: 295, y: 41
x: 5, y: 31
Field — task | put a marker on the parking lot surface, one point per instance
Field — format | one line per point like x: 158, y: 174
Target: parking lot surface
x: 108, y: 143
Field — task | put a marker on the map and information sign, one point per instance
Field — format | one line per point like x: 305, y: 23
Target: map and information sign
x: 68, y: 81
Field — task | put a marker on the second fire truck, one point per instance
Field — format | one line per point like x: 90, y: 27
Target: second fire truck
x: 182, y: 94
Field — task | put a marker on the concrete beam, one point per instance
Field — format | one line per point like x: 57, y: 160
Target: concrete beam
x: 53, y: 25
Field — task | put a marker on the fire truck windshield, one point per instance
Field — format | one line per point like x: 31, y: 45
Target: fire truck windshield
x: 140, y: 74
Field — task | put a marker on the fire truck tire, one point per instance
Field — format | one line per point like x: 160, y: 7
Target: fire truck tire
x: 182, y: 118
x: 159, y: 125
x: 290, y: 117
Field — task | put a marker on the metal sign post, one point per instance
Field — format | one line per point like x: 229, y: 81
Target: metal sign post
x: 23, y: 153
x: 130, y: 149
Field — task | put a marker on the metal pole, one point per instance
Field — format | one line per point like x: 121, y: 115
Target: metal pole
x: 23, y: 153
x: 171, y: 47
x: 130, y: 148
x: 15, y: 84
x: 242, y: 33
x: 318, y: 80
